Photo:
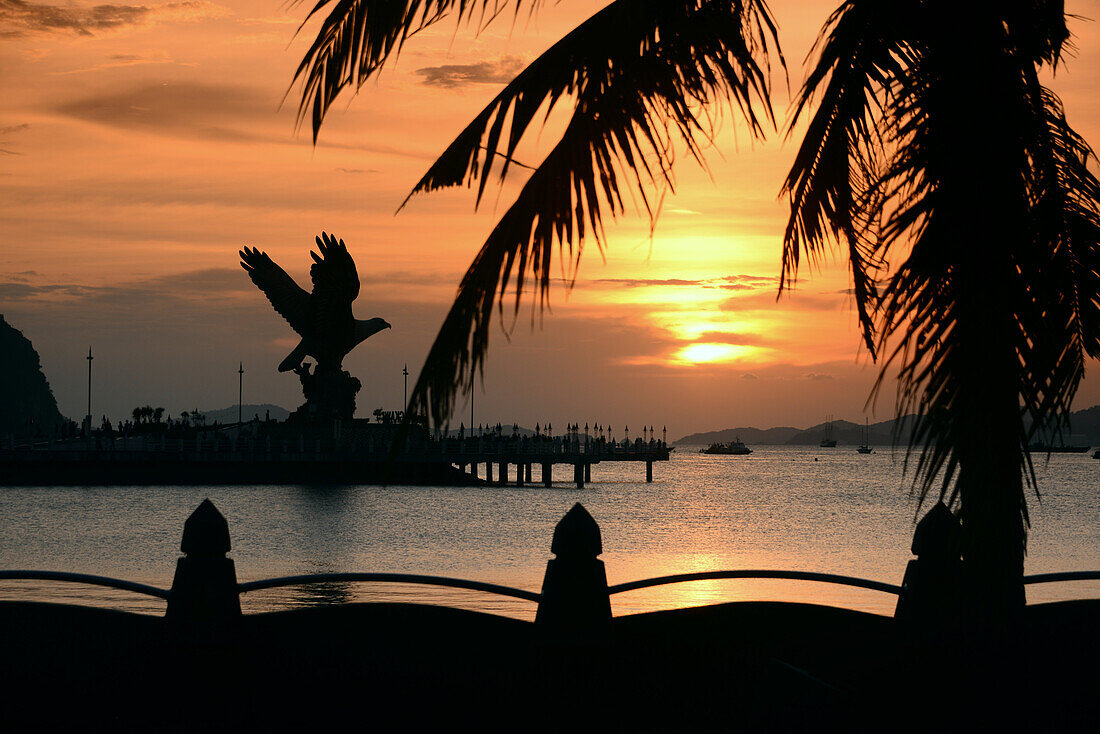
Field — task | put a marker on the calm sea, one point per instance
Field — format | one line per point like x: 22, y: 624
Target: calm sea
x: 827, y: 510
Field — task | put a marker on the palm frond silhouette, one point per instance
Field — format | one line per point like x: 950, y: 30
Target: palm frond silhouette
x: 933, y: 154
x: 936, y: 146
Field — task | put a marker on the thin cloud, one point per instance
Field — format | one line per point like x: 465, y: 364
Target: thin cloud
x: 213, y: 284
x: 759, y: 299
x: 728, y: 282
x: 729, y: 337
x: 190, y: 109
x: 755, y: 281
x: 11, y: 130
x: 647, y: 282
x: 193, y: 110
x: 818, y: 376
x: 20, y: 18
x: 499, y: 71
x: 119, y: 60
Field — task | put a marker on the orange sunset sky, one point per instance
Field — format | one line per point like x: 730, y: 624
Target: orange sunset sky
x: 142, y: 145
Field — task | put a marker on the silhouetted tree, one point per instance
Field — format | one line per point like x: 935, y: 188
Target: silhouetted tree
x: 934, y: 143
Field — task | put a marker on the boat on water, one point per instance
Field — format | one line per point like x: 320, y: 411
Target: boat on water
x: 735, y: 447
x: 828, y: 441
x: 1096, y: 455
x: 864, y: 448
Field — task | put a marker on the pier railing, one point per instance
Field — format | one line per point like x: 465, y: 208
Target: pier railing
x: 575, y: 594
x: 496, y: 453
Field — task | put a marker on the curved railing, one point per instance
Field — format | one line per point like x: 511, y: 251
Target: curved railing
x: 392, y: 578
x: 409, y: 578
x: 1046, y: 578
x: 86, y: 578
x: 827, y: 578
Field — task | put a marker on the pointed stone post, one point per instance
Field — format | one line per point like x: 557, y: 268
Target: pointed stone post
x: 574, y: 601
x: 930, y: 592
x: 204, y: 590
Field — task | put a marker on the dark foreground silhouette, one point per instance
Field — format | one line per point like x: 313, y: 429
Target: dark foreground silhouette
x: 742, y: 667
x: 750, y: 666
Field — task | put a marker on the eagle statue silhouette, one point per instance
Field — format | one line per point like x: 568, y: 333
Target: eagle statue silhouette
x: 323, y: 318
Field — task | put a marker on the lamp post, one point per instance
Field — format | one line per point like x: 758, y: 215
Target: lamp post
x: 89, y: 418
x: 240, y: 394
x: 405, y: 374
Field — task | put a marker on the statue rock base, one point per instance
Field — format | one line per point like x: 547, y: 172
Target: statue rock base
x: 330, y: 395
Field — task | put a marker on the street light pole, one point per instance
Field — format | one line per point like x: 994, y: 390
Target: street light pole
x: 90, y: 358
x: 240, y: 394
x: 405, y: 374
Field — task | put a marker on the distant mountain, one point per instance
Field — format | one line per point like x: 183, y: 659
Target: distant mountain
x: 1084, y: 423
x: 847, y: 433
x: 27, y: 404
x: 229, y: 415
x: 748, y: 435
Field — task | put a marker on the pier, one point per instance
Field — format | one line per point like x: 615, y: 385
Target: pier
x: 359, y: 454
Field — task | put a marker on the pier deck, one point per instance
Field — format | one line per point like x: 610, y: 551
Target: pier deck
x: 219, y: 459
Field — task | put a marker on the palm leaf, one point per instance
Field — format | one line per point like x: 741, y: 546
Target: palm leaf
x: 637, y: 70
x: 358, y: 37
x: 862, y: 48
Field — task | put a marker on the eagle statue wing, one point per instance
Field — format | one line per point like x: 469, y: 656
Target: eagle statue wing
x: 288, y: 298
x: 335, y: 279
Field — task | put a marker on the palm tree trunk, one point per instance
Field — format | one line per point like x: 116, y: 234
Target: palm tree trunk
x: 979, y: 117
x: 990, y: 484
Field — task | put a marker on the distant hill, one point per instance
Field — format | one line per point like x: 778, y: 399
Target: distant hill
x: 27, y: 404
x: 845, y: 432
x: 229, y: 415
x: 1084, y: 423
x: 748, y: 435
